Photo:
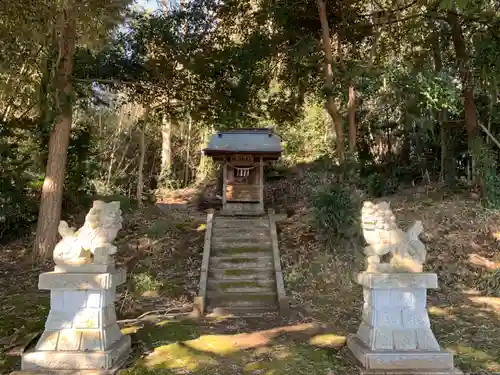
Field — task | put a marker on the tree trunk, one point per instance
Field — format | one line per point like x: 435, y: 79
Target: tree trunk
x: 351, y: 115
x: 164, y: 7
x: 330, y: 105
x: 470, y: 112
x: 52, y: 189
x: 448, y: 163
x: 166, y: 146
x: 46, y: 105
x: 492, y: 96
x: 188, y: 153
x: 202, y: 170
x: 142, y: 156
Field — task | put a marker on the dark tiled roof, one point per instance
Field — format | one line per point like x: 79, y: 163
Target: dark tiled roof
x: 245, y: 140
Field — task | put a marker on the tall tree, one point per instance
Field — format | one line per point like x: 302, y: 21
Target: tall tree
x: 52, y: 190
x: 330, y: 105
x: 466, y: 75
x: 351, y: 118
x: 74, y: 21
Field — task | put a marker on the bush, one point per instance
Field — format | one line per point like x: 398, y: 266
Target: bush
x: 487, y: 171
x: 18, y: 188
x: 336, y: 211
x: 377, y: 185
x: 489, y: 283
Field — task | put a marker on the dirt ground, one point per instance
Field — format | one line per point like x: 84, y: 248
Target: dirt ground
x: 162, y: 252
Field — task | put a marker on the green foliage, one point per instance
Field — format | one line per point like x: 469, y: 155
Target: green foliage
x: 438, y: 91
x: 304, y: 140
x: 159, y: 229
x: 376, y: 185
x: 144, y: 282
x: 486, y: 164
x: 336, y: 211
x: 18, y: 187
x: 82, y: 167
x: 489, y: 283
x: 258, y: 64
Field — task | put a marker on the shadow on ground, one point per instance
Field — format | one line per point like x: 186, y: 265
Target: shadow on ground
x: 469, y: 325
x: 233, y: 346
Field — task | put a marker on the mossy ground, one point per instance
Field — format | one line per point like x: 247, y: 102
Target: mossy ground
x: 237, y: 347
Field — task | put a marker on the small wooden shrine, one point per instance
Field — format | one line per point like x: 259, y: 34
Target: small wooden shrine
x: 243, y: 154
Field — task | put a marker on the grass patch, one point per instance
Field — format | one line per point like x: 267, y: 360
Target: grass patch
x: 158, y: 229
x: 23, y: 315
x: 143, y: 283
x: 257, y: 352
x: 167, y: 331
x: 328, y: 340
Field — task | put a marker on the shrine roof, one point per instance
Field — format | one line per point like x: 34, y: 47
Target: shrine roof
x: 253, y: 141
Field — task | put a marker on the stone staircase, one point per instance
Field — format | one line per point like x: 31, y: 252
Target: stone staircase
x: 241, y: 277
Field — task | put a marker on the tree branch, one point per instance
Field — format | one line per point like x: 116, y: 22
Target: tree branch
x: 385, y: 13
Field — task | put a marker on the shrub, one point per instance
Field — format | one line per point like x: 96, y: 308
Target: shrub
x: 336, y: 211
x: 487, y: 171
x: 377, y: 185
x: 489, y: 283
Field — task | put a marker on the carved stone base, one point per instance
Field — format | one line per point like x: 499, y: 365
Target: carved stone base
x: 55, y: 362
x: 81, y: 332
x: 391, y: 362
x: 85, y: 268
x: 395, y: 333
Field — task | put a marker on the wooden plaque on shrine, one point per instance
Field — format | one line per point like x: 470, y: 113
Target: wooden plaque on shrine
x: 242, y: 159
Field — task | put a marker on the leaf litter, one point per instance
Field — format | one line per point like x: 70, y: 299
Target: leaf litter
x: 462, y: 242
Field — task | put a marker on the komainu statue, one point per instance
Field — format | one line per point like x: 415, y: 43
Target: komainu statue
x: 92, y: 243
x: 407, y: 253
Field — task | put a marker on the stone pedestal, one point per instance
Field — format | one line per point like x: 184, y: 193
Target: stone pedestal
x: 81, y: 332
x: 395, y: 335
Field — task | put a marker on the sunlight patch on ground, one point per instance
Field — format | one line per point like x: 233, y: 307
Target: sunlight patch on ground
x: 474, y: 356
x: 177, y: 356
x: 130, y: 330
x: 493, y: 303
x: 178, y: 348
x: 438, y: 311
x: 216, y: 344
x: 480, y: 261
x: 328, y: 341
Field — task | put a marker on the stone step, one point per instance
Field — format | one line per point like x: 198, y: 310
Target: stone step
x: 240, y: 223
x: 241, y: 274
x: 226, y: 299
x: 248, y: 311
x: 245, y: 213
x: 248, y: 233
x: 247, y: 252
x: 251, y: 245
x: 238, y: 262
x: 242, y: 286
